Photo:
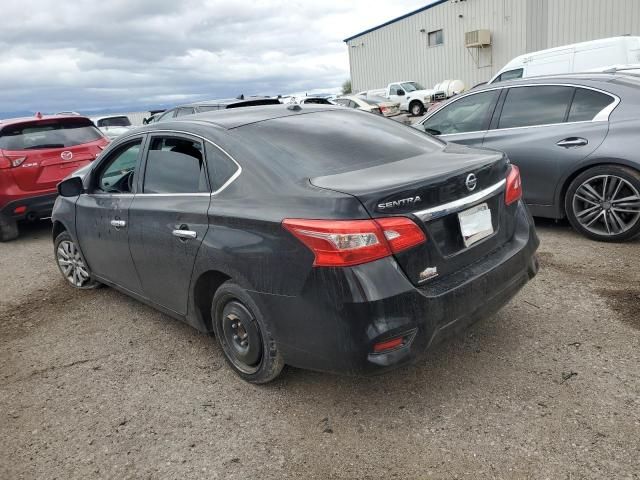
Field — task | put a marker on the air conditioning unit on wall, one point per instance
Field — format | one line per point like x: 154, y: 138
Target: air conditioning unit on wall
x: 477, y: 38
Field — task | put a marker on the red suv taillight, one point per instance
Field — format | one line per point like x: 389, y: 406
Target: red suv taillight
x: 513, y: 192
x: 343, y: 243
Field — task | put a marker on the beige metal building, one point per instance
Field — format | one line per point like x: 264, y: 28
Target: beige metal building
x: 471, y: 40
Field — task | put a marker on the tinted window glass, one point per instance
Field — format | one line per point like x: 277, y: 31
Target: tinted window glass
x: 587, y: 104
x: 527, y: 106
x: 114, y: 122
x: 175, y: 165
x: 117, y: 174
x: 55, y: 133
x: 510, y: 75
x: 356, y: 142
x: 468, y: 114
x: 221, y: 167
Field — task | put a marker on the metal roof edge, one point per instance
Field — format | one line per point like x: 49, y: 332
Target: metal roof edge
x: 397, y: 19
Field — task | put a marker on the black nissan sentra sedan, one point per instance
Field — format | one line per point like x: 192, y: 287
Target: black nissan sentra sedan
x: 314, y: 236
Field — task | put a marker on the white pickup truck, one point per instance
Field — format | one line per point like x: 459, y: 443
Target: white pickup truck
x: 412, y: 96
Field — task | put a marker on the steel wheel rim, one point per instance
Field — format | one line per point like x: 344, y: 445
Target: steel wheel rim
x: 71, y: 264
x: 606, y: 205
x: 241, y: 338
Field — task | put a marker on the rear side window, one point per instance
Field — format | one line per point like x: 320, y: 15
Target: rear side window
x: 221, y: 167
x: 509, y: 75
x: 208, y: 108
x: 175, y: 165
x: 469, y: 114
x: 54, y: 133
x: 528, y: 106
x: 587, y: 104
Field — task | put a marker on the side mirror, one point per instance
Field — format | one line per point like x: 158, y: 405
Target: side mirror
x: 432, y: 131
x: 71, y: 187
x: 400, y: 93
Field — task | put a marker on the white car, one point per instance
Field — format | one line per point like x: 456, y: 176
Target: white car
x: 378, y: 105
x: 113, y: 125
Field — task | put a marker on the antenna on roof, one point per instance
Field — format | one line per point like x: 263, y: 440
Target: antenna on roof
x: 38, y: 115
x: 240, y: 97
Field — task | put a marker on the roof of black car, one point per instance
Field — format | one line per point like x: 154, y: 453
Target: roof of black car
x: 237, y: 117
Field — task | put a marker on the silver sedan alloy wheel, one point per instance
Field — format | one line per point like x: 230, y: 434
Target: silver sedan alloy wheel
x: 71, y: 264
x: 607, y: 205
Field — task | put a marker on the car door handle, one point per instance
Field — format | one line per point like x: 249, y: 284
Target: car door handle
x: 118, y: 223
x: 573, y: 142
x: 186, y: 234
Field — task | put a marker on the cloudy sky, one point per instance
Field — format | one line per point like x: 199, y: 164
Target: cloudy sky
x: 128, y: 54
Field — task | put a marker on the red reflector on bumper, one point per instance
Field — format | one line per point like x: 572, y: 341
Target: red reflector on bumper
x: 20, y: 210
x: 388, y: 345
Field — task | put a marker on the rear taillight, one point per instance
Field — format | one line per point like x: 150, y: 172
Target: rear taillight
x: 8, y: 161
x: 342, y: 243
x: 514, y: 186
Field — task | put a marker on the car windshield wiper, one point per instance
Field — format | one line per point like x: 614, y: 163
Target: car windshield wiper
x: 45, y: 145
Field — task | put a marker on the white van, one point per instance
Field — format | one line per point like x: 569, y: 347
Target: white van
x: 597, y: 55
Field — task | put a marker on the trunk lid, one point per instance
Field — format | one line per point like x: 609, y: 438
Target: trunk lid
x: 418, y: 187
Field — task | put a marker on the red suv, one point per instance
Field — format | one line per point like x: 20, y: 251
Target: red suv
x: 35, y: 154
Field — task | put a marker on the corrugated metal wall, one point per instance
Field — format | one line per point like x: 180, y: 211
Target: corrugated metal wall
x: 400, y: 51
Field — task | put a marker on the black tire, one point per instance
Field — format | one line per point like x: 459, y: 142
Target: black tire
x: 596, y: 196
x: 8, y: 229
x: 76, y: 263
x: 257, y: 361
x: 416, y: 108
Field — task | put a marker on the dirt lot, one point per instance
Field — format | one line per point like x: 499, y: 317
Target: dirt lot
x: 96, y: 385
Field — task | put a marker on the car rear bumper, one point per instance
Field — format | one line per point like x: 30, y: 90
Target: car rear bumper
x: 36, y: 207
x: 342, y: 313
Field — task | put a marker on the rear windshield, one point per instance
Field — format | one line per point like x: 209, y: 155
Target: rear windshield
x: 53, y: 133
x: 114, y: 122
x: 324, y: 143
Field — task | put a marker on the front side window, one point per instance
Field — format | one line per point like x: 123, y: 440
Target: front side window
x: 587, y: 104
x: 116, y: 176
x: 509, y: 75
x: 529, y: 106
x: 436, y: 38
x: 393, y: 90
x: 468, y: 114
x: 175, y: 165
x: 208, y: 108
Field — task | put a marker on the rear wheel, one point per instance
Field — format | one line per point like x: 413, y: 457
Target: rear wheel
x: 416, y: 108
x: 603, y: 203
x: 244, y: 335
x: 8, y: 229
x: 71, y: 263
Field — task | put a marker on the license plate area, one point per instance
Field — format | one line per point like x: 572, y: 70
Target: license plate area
x: 475, y: 224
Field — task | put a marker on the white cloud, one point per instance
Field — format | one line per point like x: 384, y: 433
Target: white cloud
x: 85, y: 55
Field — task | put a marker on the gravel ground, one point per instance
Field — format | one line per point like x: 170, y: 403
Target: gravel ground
x: 96, y: 385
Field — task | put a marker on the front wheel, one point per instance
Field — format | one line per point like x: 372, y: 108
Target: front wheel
x: 244, y: 335
x: 71, y: 263
x: 416, y: 108
x: 603, y: 203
